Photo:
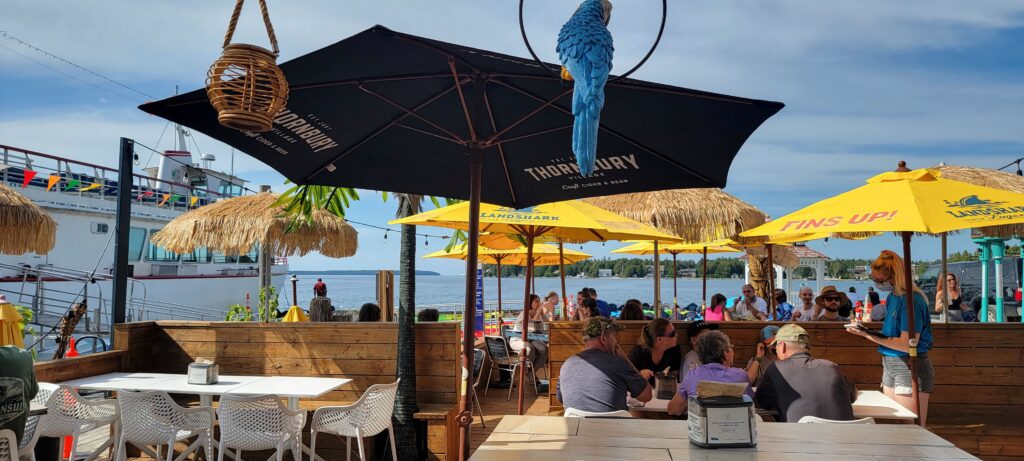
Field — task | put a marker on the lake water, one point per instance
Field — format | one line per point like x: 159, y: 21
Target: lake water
x: 351, y: 291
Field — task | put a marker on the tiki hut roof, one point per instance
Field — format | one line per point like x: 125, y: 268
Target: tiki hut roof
x: 25, y: 227
x: 695, y: 215
x: 236, y: 224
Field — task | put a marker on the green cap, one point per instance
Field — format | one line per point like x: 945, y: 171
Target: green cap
x: 597, y: 326
x: 792, y: 333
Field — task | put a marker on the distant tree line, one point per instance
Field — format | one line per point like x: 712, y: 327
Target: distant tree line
x: 717, y: 268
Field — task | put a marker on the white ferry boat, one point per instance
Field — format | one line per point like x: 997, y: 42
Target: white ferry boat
x: 81, y: 197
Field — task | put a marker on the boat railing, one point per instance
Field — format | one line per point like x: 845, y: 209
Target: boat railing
x: 141, y: 309
x: 30, y: 169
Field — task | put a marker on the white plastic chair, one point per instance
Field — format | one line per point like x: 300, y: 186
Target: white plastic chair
x: 260, y: 422
x: 369, y: 416
x: 27, y: 446
x: 69, y: 414
x: 817, y: 420
x: 8, y: 446
x: 153, y: 418
x: 574, y: 413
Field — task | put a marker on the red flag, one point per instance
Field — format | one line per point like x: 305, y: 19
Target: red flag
x: 29, y: 174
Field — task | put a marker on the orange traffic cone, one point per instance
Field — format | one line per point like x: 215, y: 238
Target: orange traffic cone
x: 72, y: 352
x: 67, y: 447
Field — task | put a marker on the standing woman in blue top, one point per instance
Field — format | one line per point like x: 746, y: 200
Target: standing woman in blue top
x: 888, y: 274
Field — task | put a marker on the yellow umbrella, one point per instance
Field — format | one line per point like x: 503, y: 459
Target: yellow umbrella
x: 647, y: 248
x: 912, y: 201
x: 11, y: 332
x: 295, y: 314
x: 904, y: 201
x: 543, y: 255
x: 567, y: 221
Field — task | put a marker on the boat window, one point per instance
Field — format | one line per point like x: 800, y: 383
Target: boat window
x: 220, y: 258
x: 136, y: 241
x: 159, y: 254
x: 99, y: 227
x: 199, y: 255
x: 252, y: 257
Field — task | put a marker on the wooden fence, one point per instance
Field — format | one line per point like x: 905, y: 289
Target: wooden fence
x: 979, y: 374
x: 363, y: 352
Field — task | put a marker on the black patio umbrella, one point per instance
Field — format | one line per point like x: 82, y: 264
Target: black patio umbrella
x: 389, y: 111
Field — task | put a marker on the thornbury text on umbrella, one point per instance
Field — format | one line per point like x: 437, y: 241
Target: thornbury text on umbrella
x: 301, y: 128
x: 615, y: 162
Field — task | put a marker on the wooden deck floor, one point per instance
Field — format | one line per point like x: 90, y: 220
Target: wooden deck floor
x: 496, y: 407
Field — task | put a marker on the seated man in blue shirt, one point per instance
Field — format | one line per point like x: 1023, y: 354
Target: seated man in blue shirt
x: 602, y: 306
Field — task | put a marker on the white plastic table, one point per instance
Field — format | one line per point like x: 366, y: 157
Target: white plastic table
x: 291, y: 387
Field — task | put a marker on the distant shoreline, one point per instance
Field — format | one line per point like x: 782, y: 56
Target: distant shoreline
x: 357, y: 272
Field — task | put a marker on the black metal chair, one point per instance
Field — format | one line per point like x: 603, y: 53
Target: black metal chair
x: 478, y: 365
x: 502, y: 358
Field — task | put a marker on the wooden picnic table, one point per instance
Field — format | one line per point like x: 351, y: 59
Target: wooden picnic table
x: 542, y: 438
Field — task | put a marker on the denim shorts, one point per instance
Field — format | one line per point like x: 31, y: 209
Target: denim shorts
x: 896, y: 374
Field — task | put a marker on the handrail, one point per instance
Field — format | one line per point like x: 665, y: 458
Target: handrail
x: 112, y: 170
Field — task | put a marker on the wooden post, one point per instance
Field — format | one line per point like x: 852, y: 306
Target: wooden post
x: 561, y: 275
x: 657, y: 282
x: 908, y: 273
x: 771, y: 284
x: 526, y: 319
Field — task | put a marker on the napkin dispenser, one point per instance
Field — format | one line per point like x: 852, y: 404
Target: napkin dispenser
x: 722, y: 422
x: 203, y: 372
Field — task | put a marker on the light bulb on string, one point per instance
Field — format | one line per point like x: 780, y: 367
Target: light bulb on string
x: 385, y: 236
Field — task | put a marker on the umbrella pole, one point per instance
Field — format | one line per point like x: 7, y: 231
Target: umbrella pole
x: 526, y: 321
x: 704, y: 273
x: 675, y: 289
x: 561, y: 275
x: 911, y: 326
x: 465, y: 416
x: 657, y: 282
x: 500, y: 320
x: 945, y: 282
x: 771, y: 284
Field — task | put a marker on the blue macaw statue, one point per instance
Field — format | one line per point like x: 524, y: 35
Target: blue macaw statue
x: 585, y: 49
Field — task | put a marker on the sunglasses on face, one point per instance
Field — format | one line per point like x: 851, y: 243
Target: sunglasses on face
x: 671, y: 334
x: 832, y: 298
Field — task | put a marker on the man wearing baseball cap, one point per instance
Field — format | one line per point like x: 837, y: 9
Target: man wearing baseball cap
x: 798, y: 385
x: 691, y: 360
x: 764, y: 355
x: 597, y: 378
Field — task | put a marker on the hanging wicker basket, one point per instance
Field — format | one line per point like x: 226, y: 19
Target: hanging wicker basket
x: 245, y: 84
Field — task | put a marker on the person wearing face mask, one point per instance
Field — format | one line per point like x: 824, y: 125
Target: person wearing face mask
x: 597, y: 378
x: 831, y: 302
x: 805, y: 312
x: 894, y: 345
x: 656, y: 350
x: 716, y: 355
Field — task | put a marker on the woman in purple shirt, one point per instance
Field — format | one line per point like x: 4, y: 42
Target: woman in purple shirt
x: 716, y: 355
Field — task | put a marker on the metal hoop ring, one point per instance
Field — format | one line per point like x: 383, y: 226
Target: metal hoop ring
x: 661, y: 30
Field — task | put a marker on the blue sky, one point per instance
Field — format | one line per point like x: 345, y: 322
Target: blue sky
x: 866, y: 83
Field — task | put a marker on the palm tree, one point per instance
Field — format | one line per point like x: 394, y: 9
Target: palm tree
x: 299, y: 202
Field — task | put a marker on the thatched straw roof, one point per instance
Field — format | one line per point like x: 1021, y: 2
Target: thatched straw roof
x: 695, y: 215
x: 25, y: 227
x: 988, y: 178
x: 236, y: 224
